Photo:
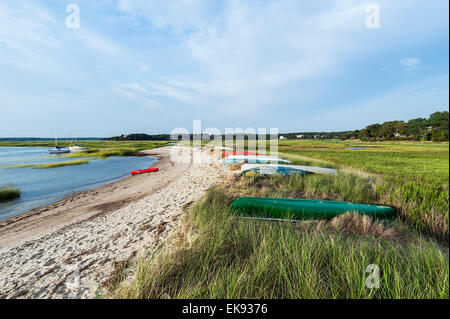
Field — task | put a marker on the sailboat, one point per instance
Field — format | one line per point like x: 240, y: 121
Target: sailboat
x: 75, y: 147
x: 58, y: 149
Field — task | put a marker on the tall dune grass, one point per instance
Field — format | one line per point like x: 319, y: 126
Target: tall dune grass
x: 221, y: 256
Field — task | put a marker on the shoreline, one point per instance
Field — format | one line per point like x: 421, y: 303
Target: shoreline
x: 82, y: 205
x: 88, y: 235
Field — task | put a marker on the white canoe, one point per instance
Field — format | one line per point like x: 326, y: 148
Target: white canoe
x: 255, y: 159
x: 221, y: 148
x: 311, y: 169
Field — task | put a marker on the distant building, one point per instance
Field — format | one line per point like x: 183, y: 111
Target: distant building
x: 399, y: 135
x: 301, y: 136
x: 282, y: 137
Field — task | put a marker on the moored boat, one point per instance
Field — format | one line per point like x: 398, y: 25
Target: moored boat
x: 77, y: 148
x: 58, y: 150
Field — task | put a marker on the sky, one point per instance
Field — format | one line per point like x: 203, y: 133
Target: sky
x: 148, y: 66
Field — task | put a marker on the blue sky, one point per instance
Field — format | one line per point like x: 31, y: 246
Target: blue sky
x: 150, y: 66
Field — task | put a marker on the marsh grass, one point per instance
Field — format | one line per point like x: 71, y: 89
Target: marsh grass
x: 100, y: 149
x: 9, y: 192
x: 60, y: 164
x: 51, y: 165
x: 222, y: 256
x: 413, y: 177
x: 219, y: 255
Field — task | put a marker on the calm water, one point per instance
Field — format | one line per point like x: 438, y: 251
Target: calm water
x: 44, y: 186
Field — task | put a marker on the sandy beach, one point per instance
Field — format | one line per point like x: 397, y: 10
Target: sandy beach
x: 68, y: 249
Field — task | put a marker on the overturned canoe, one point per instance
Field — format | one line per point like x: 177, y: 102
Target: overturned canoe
x: 222, y: 148
x: 225, y: 154
x: 255, y: 159
x: 309, y: 169
x: 141, y: 171
x: 288, y: 208
x: 274, y: 170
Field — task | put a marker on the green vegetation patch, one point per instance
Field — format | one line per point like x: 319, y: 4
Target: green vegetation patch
x: 51, y: 165
x: 413, y: 176
x: 100, y: 149
x: 59, y: 164
x: 8, y: 193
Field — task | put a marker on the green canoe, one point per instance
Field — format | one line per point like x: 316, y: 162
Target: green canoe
x: 304, y: 208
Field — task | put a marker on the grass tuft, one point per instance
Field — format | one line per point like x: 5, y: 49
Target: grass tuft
x: 60, y: 164
x: 51, y: 165
x: 8, y: 193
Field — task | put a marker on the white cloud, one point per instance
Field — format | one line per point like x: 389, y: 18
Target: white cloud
x: 246, y: 51
x: 410, y: 62
x: 411, y: 65
x: 25, y: 28
x: 135, y: 87
x: 137, y: 93
x: 171, y: 90
x: 145, y: 67
x: 255, y: 48
x: 97, y: 42
x: 177, y: 15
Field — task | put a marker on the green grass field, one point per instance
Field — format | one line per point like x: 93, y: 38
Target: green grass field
x: 219, y: 255
x: 413, y: 177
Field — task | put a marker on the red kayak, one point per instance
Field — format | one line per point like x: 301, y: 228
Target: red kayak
x: 225, y: 154
x: 148, y: 170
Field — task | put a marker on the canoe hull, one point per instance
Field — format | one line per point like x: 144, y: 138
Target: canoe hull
x: 225, y: 154
x: 56, y: 151
x: 255, y: 159
x: 273, y: 170
x: 302, y: 209
x: 142, y: 171
x: 310, y: 169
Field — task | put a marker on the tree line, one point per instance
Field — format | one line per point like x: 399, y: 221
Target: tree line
x: 434, y: 128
